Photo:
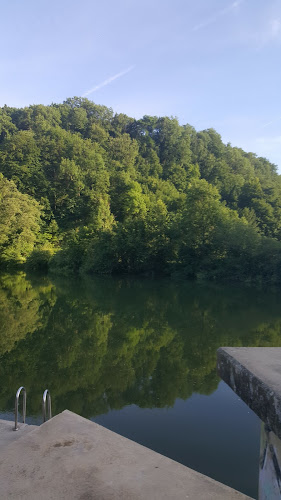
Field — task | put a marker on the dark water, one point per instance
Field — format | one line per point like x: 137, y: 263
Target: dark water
x: 139, y: 357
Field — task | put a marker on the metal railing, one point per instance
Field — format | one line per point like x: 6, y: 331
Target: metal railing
x: 46, y: 396
x: 16, y: 428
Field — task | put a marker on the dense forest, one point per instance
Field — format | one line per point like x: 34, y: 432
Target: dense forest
x: 83, y: 189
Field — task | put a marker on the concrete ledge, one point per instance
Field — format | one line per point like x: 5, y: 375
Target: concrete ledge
x: 8, y: 435
x: 254, y: 373
x: 71, y: 457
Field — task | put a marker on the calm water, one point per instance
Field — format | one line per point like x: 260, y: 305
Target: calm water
x: 139, y: 357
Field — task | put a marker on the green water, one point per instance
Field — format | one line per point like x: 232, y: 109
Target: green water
x: 139, y: 356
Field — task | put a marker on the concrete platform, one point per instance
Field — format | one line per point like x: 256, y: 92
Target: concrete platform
x: 254, y: 373
x: 8, y: 435
x: 70, y: 457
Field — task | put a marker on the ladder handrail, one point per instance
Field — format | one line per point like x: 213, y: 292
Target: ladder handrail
x: 17, y: 406
x: 46, y: 395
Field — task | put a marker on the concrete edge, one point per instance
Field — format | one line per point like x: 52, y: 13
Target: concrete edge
x: 67, y: 416
x: 251, y: 389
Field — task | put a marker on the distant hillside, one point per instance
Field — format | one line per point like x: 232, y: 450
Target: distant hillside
x: 84, y: 189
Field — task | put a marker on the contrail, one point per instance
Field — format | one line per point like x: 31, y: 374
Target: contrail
x: 218, y: 14
x: 271, y: 122
x: 108, y: 81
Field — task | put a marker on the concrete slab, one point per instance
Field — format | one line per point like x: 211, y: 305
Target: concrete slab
x: 71, y: 457
x: 254, y: 373
x: 8, y: 435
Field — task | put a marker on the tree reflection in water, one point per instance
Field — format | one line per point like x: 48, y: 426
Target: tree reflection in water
x: 104, y: 343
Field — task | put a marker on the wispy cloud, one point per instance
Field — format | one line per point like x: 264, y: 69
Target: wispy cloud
x: 270, y: 33
x: 271, y: 122
x: 108, y: 81
x: 269, y: 141
x: 275, y: 28
x: 217, y: 15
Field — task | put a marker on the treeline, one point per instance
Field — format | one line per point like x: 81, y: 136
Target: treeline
x: 85, y: 190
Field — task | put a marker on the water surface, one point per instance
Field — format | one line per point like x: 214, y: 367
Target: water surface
x: 139, y: 357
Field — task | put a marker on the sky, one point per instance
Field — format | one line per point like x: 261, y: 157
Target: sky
x: 210, y: 63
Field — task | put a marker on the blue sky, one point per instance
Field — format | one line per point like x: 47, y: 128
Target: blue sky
x: 211, y: 63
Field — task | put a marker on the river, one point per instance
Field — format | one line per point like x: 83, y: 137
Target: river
x: 139, y: 357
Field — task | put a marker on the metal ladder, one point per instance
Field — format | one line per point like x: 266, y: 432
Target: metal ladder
x: 46, y: 397
x: 16, y: 428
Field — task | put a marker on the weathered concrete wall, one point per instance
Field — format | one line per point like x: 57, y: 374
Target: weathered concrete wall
x: 270, y: 462
x: 254, y: 373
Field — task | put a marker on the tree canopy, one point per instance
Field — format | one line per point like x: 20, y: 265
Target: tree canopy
x: 84, y: 189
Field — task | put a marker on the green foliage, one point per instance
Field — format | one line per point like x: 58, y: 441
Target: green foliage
x: 19, y: 223
x: 40, y: 257
x: 22, y: 308
x: 136, y: 196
